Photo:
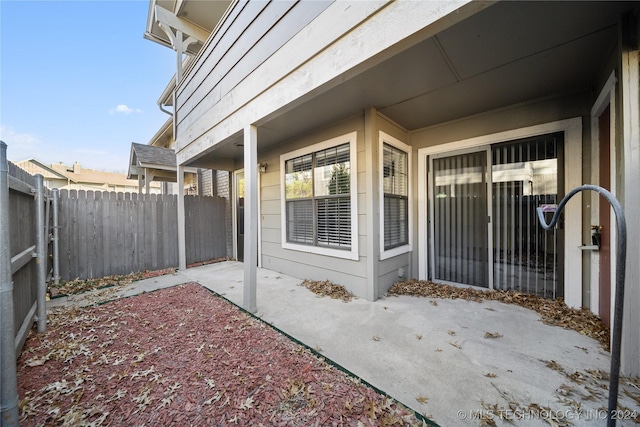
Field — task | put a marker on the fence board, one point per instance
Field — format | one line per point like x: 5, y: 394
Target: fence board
x: 83, y: 229
x: 22, y: 238
x: 98, y: 223
x: 105, y: 234
x: 63, y: 248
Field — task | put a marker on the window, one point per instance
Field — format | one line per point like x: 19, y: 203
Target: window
x: 319, y: 198
x: 394, y: 190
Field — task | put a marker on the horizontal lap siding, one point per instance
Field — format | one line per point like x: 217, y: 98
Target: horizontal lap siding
x: 350, y: 273
x: 251, y: 34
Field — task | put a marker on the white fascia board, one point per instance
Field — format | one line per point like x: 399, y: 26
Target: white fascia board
x: 166, y: 17
x: 150, y: 17
x: 187, y: 169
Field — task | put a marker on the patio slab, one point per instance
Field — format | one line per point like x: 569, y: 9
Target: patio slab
x: 434, y: 358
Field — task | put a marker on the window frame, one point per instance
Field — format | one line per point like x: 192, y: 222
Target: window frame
x: 399, y: 145
x: 352, y: 253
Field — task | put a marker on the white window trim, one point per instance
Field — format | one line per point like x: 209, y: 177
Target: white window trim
x: 572, y: 178
x: 388, y: 139
x: 352, y: 254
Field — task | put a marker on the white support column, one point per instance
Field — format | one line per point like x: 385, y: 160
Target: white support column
x: 139, y: 183
x: 630, y: 117
x: 182, y: 243
x: 147, y: 181
x: 177, y: 45
x: 373, y: 217
x: 250, y: 217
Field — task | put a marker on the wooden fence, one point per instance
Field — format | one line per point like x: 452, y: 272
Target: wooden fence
x: 22, y: 237
x: 107, y: 233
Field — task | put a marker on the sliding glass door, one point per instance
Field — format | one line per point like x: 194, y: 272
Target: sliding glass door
x: 525, y: 176
x: 459, y: 198
x: 484, y: 229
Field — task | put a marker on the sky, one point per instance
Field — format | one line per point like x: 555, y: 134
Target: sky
x: 78, y: 82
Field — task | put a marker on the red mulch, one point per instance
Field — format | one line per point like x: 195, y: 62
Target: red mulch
x: 184, y: 356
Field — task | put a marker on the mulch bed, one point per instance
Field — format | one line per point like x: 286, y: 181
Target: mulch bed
x: 184, y: 356
x: 553, y: 312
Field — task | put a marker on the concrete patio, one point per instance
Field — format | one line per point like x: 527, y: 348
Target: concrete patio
x: 434, y: 357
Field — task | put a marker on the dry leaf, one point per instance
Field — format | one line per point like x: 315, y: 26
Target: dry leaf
x: 488, y: 335
x: 326, y: 288
x: 553, y: 312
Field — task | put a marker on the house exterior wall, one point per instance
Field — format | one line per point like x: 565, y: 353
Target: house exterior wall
x: 392, y: 269
x: 311, y: 59
x: 245, y: 40
x: 305, y: 265
x: 530, y: 116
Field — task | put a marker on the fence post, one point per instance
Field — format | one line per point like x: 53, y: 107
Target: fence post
x: 41, y: 255
x: 56, y: 237
x: 8, y: 375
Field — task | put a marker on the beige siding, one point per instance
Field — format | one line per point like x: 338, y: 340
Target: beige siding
x: 349, y: 273
x: 252, y: 32
x: 514, y: 117
x: 388, y: 269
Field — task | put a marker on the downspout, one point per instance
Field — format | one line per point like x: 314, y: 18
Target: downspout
x: 163, y: 110
x: 8, y: 374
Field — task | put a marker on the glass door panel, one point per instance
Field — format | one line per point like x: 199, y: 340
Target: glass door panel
x: 460, y: 247
x: 240, y: 216
x: 525, y: 176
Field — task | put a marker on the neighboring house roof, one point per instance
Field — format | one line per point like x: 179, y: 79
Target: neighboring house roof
x: 75, y: 175
x: 151, y: 156
x: 34, y: 166
x: 90, y: 176
x: 157, y: 162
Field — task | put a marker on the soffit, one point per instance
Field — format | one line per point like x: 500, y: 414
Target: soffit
x: 508, y: 53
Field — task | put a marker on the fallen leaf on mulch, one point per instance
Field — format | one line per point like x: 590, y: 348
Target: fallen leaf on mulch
x: 184, y: 356
x: 553, y: 312
x: 327, y: 288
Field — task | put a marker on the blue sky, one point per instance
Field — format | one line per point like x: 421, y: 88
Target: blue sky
x: 78, y: 82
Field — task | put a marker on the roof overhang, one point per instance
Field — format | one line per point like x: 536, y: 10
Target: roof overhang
x: 193, y: 18
x: 153, y: 166
x: 504, y: 55
x: 164, y: 136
